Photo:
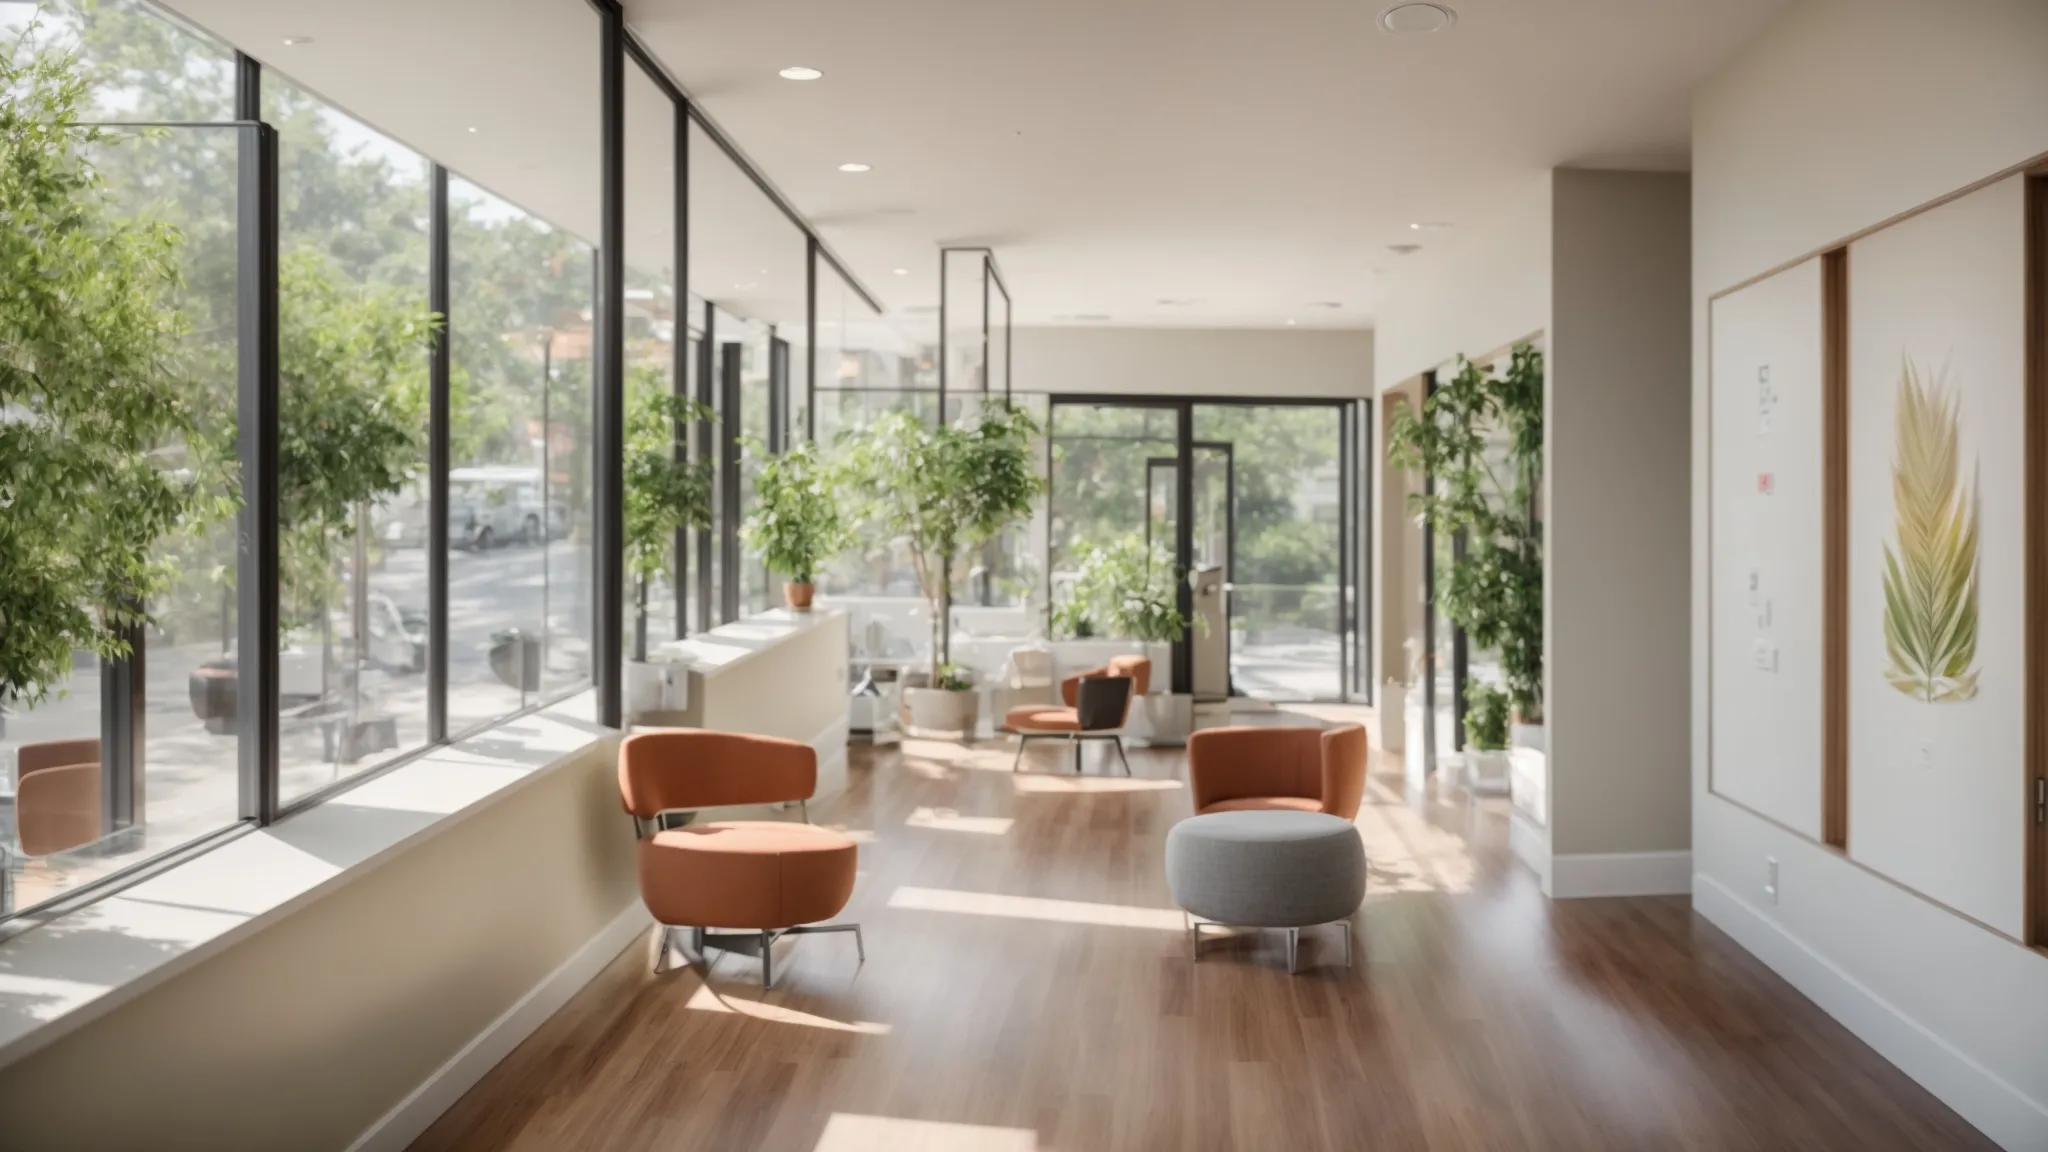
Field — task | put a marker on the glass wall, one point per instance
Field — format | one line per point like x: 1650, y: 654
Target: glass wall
x: 352, y: 448
x: 455, y: 274
x: 751, y: 263
x: 1285, y: 565
x: 519, y: 332
x: 82, y: 796
x: 652, y: 605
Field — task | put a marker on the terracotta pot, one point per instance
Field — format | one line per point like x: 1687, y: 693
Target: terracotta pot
x: 798, y: 595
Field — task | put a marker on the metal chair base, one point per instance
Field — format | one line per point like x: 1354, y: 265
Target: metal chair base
x: 760, y: 944
x: 1293, y: 939
x: 1074, y: 738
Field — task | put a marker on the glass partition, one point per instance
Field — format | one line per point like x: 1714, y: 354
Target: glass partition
x: 158, y: 762
x: 352, y: 412
x: 964, y: 292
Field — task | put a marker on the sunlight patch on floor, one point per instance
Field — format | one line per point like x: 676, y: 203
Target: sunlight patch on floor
x: 1038, y: 783
x: 1404, y: 852
x: 855, y: 1132
x: 1036, y: 908
x: 941, y: 755
x: 706, y: 1000
x: 947, y: 820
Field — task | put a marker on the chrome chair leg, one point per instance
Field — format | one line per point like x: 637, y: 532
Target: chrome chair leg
x: 767, y: 960
x: 1076, y: 742
x: 1293, y: 950
x: 1347, y: 941
x: 661, y: 947
x: 1022, y: 741
x: 1120, y: 754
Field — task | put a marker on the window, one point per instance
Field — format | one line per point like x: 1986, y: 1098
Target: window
x: 355, y: 331
x: 155, y: 773
x: 519, y: 587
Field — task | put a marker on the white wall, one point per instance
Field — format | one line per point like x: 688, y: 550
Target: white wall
x: 1615, y: 561
x: 1481, y: 286
x: 1841, y: 116
x: 1291, y: 362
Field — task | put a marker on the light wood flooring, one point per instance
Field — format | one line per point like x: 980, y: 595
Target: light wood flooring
x: 1028, y: 987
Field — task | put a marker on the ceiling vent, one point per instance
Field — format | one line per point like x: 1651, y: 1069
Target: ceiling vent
x: 1404, y: 249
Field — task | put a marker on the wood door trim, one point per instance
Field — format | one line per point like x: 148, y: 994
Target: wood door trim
x: 1834, y: 372
x: 2036, y: 919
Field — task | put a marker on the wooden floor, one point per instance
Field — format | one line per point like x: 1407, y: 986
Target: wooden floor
x: 1028, y: 987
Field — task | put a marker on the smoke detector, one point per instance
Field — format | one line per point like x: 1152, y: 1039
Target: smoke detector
x: 1417, y: 19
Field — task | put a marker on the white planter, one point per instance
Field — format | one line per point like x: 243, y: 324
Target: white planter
x: 1163, y: 719
x: 1534, y: 736
x: 937, y: 712
x: 1488, y: 773
x: 1415, y: 758
x: 1529, y: 771
x: 1393, y: 716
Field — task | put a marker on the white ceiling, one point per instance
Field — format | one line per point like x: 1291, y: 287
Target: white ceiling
x: 1256, y: 159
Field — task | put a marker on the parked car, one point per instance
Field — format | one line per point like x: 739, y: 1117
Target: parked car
x: 490, y: 507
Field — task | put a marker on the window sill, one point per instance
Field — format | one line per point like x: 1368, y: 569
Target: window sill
x: 62, y: 974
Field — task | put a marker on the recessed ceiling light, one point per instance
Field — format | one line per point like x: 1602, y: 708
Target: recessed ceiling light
x: 799, y: 72
x: 1290, y: 323
x: 1417, y: 19
x: 903, y: 271
x: 855, y: 166
x: 472, y: 130
x: 1428, y: 226
x: 296, y: 41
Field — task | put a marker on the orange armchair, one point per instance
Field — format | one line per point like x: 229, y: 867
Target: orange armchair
x: 1302, y: 769
x: 1093, y: 714
x: 57, y: 795
x: 771, y: 878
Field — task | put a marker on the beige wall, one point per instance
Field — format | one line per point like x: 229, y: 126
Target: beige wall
x: 1471, y: 290
x: 1841, y: 116
x: 1296, y: 362
x: 305, y: 1034
x: 1616, y: 578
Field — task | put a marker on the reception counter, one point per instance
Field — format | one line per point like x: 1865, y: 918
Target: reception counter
x: 780, y: 673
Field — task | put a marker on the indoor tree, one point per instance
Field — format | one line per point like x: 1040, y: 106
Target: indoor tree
x: 92, y: 384
x: 665, y: 491
x: 942, y: 489
x: 796, y: 524
x: 1479, y: 437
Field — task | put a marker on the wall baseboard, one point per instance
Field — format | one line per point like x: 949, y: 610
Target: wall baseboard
x: 412, y: 1116
x: 1999, y: 1110
x: 1530, y: 843
x: 1620, y: 874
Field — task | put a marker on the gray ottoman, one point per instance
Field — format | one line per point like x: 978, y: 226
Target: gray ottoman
x: 1267, y: 869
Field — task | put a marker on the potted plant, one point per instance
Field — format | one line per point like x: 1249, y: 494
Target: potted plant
x: 1479, y: 437
x: 1486, y: 739
x: 796, y: 524
x: 665, y: 493
x: 1129, y: 590
x: 90, y: 297
x: 941, y: 490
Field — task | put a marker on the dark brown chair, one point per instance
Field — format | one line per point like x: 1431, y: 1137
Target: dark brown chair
x: 770, y: 878
x: 1098, y: 706
x: 57, y: 796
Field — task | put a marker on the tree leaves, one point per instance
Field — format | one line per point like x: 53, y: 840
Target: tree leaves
x: 796, y: 524
x: 665, y: 491
x: 1489, y: 540
x: 1930, y: 581
x: 90, y: 386
x: 1125, y: 589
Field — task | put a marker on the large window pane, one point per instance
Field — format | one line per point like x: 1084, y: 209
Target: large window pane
x: 519, y: 485
x: 1284, y: 565
x: 355, y: 328
x: 179, y: 781
x: 651, y: 328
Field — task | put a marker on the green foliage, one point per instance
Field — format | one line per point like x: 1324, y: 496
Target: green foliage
x: 1486, y: 716
x: 352, y: 412
x: 941, y: 489
x: 1492, y: 587
x: 664, y: 491
x: 1123, y: 589
x: 953, y: 678
x: 91, y: 387
x: 796, y: 524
